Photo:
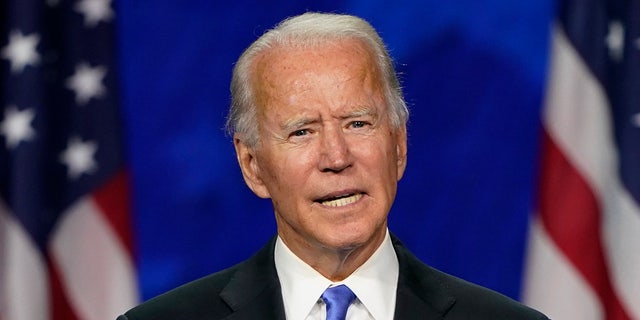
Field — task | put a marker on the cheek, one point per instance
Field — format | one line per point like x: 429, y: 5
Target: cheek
x: 290, y: 169
x: 375, y: 153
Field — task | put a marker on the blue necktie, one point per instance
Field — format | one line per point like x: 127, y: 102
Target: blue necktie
x: 337, y: 299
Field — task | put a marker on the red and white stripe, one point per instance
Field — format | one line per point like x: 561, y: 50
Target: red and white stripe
x: 584, y: 248
x: 89, y: 272
x: 23, y: 273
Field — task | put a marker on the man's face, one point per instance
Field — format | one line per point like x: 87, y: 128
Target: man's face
x: 328, y: 156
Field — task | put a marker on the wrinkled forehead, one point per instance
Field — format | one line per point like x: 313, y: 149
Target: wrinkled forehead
x: 290, y: 70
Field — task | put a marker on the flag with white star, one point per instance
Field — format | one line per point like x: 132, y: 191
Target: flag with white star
x: 584, y: 252
x: 65, y: 236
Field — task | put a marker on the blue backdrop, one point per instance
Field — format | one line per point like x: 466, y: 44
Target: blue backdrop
x: 473, y: 73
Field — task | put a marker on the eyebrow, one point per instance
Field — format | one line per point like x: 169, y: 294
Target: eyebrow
x: 361, y: 111
x: 293, y: 124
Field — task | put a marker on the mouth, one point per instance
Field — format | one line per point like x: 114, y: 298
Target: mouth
x: 341, y: 200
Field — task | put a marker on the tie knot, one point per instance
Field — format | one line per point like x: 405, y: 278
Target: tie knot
x: 337, y: 299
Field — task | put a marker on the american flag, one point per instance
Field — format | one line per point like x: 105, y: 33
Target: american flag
x: 65, y: 236
x: 584, y: 255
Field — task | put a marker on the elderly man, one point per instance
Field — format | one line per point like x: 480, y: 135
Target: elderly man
x: 319, y: 126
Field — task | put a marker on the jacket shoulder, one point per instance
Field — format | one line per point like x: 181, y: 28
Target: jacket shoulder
x: 243, y: 291
x: 483, y: 303
x: 452, y: 297
x: 198, y: 299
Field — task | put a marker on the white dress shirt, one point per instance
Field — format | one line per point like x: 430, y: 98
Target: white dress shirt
x: 374, y: 284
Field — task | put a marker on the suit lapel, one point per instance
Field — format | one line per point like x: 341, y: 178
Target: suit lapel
x: 254, y: 291
x: 419, y: 295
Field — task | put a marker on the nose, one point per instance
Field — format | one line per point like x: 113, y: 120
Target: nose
x: 335, y: 155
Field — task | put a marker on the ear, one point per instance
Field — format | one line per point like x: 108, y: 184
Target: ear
x: 401, y: 150
x: 250, y: 167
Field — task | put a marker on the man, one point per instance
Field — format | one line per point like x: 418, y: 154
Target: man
x: 319, y: 127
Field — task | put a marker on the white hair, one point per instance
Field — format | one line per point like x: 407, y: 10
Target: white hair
x: 308, y: 30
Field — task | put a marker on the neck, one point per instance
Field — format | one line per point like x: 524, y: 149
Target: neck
x: 335, y: 264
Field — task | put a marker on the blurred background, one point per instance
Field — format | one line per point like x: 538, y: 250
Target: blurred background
x: 118, y: 183
x: 473, y: 73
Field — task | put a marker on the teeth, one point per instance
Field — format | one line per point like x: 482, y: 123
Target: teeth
x: 342, y: 201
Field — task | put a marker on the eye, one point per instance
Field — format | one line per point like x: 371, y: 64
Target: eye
x: 358, y: 124
x: 300, y: 133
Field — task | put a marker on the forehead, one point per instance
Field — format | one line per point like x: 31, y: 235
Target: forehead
x: 337, y: 69
x: 310, y: 53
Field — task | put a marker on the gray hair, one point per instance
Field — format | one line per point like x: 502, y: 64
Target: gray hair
x: 308, y: 30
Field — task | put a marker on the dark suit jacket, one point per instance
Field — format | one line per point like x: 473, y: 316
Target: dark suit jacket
x: 251, y: 290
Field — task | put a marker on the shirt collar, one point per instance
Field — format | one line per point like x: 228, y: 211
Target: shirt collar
x: 374, y: 282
